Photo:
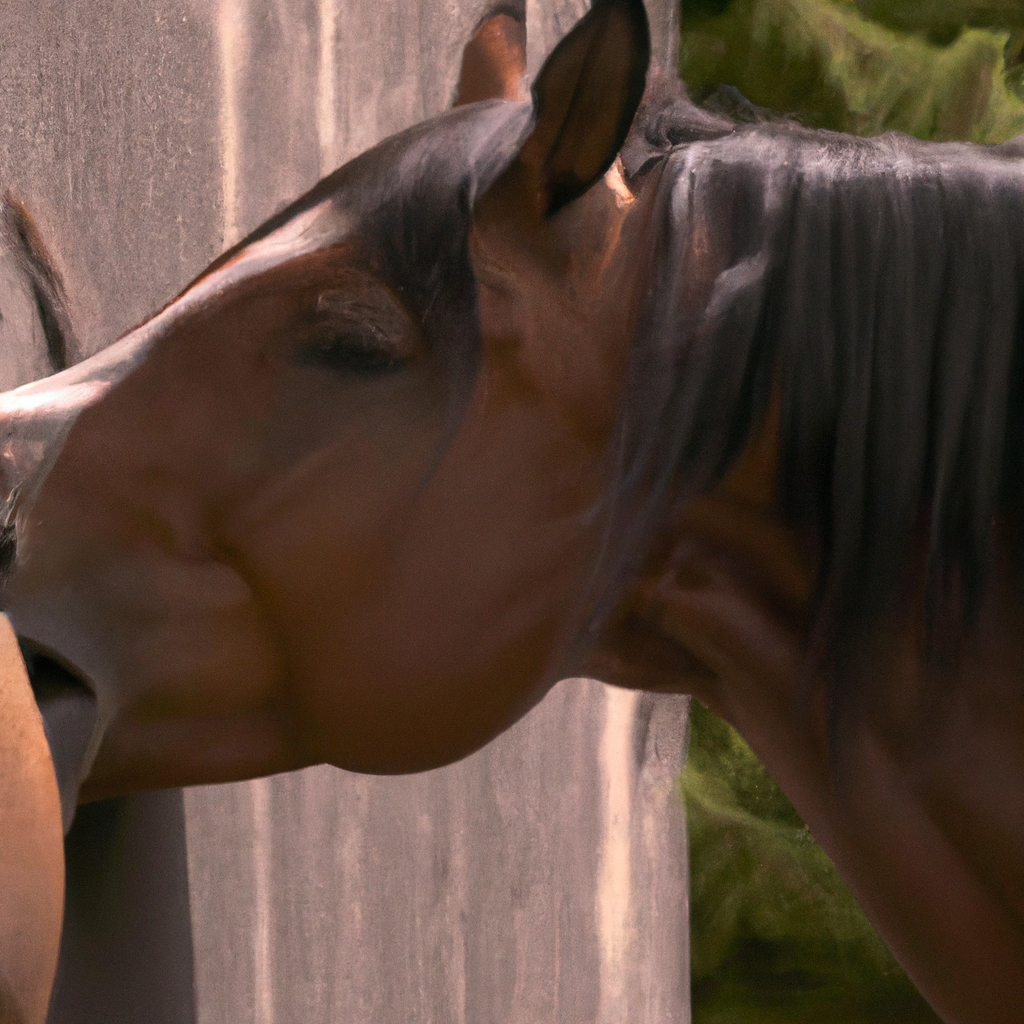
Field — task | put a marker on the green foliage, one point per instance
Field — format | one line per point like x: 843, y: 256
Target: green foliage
x: 824, y: 63
x: 775, y: 934
x: 943, y: 19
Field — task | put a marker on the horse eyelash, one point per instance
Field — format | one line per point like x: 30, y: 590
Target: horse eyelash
x: 351, y: 351
x: 348, y: 336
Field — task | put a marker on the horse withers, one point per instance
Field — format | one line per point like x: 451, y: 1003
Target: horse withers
x: 542, y: 389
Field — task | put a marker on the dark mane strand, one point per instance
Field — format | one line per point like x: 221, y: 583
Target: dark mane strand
x: 667, y: 117
x: 873, y: 287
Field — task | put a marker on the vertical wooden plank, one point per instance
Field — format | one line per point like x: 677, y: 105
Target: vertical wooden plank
x: 108, y: 132
x: 108, y: 117
x: 126, y: 948
x: 541, y: 879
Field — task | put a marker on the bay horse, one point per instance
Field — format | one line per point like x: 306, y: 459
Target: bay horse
x: 598, y: 384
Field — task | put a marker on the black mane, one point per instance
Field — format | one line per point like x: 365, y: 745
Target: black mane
x: 666, y: 118
x: 874, y: 288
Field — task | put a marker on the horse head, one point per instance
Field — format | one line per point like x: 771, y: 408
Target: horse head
x: 342, y: 500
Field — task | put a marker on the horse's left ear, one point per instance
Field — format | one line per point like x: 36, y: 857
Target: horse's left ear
x: 585, y: 98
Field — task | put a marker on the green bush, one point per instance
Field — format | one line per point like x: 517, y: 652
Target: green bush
x: 775, y: 934
x: 824, y: 63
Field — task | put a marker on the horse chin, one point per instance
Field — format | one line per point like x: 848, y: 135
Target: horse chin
x: 384, y: 757
x: 431, y: 725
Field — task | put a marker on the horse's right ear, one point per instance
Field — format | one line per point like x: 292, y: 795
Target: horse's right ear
x: 585, y: 98
x: 494, y: 61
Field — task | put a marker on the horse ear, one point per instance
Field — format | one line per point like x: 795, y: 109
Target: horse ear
x: 585, y: 98
x: 494, y: 62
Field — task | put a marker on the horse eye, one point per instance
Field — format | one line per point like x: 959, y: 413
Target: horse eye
x: 355, y: 351
x: 352, y: 337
